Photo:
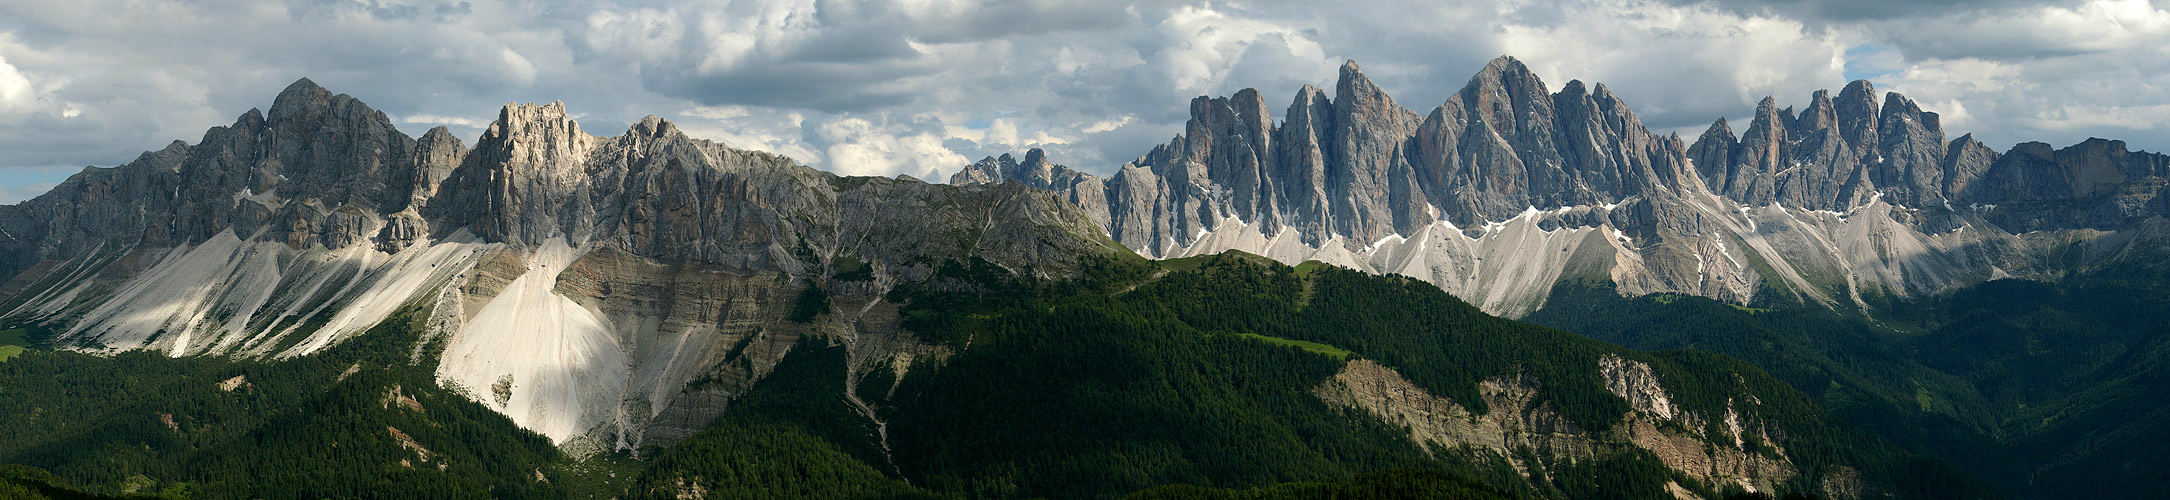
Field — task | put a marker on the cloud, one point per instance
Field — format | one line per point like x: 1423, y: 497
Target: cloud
x: 830, y: 56
x: 1715, y: 62
x: 2057, y: 74
x: 2032, y: 33
x: 881, y: 87
x: 14, y: 88
x: 429, y: 119
x: 1842, y: 11
x: 857, y: 146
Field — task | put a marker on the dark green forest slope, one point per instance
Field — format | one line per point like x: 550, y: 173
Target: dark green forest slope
x: 2050, y: 390
x: 1203, y: 376
x: 358, y: 420
x: 1139, y: 378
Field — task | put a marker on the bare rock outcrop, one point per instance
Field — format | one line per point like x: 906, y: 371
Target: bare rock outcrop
x: 1514, y: 423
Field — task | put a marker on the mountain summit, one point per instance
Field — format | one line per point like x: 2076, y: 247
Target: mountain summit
x: 1508, y: 188
x: 589, y: 278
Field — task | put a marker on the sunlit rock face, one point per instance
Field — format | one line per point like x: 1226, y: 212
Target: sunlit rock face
x: 1509, y: 188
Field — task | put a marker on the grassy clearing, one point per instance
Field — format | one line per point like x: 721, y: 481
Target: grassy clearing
x: 1668, y: 299
x: 1191, y: 263
x: 1335, y: 352
x: 1303, y: 272
x: 13, y: 342
x: 1183, y: 264
x: 606, y: 475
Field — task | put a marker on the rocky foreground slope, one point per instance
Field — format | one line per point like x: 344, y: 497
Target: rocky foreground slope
x: 1509, y: 187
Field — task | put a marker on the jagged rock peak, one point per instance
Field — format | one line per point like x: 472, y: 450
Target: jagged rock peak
x: 1503, y: 74
x: 1504, y: 64
x: 1353, y: 79
x: 1767, y: 107
x: 1897, y: 104
x: 544, y: 131
x: 986, y: 171
x: 516, y: 116
x: 1858, y: 116
x: 1035, y: 171
x: 1859, y: 96
x: 298, y: 93
x: 653, y: 127
x: 1821, y: 112
x: 1574, y: 88
x: 304, y: 101
x: 439, y: 134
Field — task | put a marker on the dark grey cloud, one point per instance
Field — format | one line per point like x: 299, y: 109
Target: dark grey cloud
x: 1843, y: 11
x: 833, y: 56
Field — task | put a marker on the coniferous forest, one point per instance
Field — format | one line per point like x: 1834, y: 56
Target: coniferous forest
x: 1190, y: 378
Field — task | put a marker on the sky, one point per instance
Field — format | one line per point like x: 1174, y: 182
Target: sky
x: 923, y: 87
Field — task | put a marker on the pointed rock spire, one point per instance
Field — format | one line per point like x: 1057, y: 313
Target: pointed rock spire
x: 1712, y: 155
x: 1909, y: 155
x: 1965, y: 159
x: 1369, y: 131
x: 1858, y: 117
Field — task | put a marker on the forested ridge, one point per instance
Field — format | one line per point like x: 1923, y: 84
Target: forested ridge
x: 2040, y: 389
x: 360, y: 420
x: 1190, y: 378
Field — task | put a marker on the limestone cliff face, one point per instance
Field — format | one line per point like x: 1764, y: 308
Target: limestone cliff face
x: 608, y: 292
x: 1843, y: 198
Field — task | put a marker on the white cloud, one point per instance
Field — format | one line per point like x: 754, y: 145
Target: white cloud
x: 2057, y: 74
x: 2033, y: 32
x: 429, y: 119
x: 517, y: 67
x: 718, y: 112
x: 14, y: 88
x: 859, y: 146
x: 1107, y: 125
x: 882, y: 87
x: 1679, y: 66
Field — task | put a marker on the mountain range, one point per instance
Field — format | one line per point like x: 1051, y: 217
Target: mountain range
x: 640, y: 298
x: 1507, y: 188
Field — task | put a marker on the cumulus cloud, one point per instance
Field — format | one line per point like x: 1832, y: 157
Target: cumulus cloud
x: 1841, y: 11
x: 1714, y: 62
x: 882, y: 87
x: 2031, y: 33
x: 2057, y: 74
x: 14, y: 88
x: 449, y: 121
x: 858, y: 146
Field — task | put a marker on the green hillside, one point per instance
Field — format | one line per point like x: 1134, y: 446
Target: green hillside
x: 2040, y: 389
x: 1198, y: 382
